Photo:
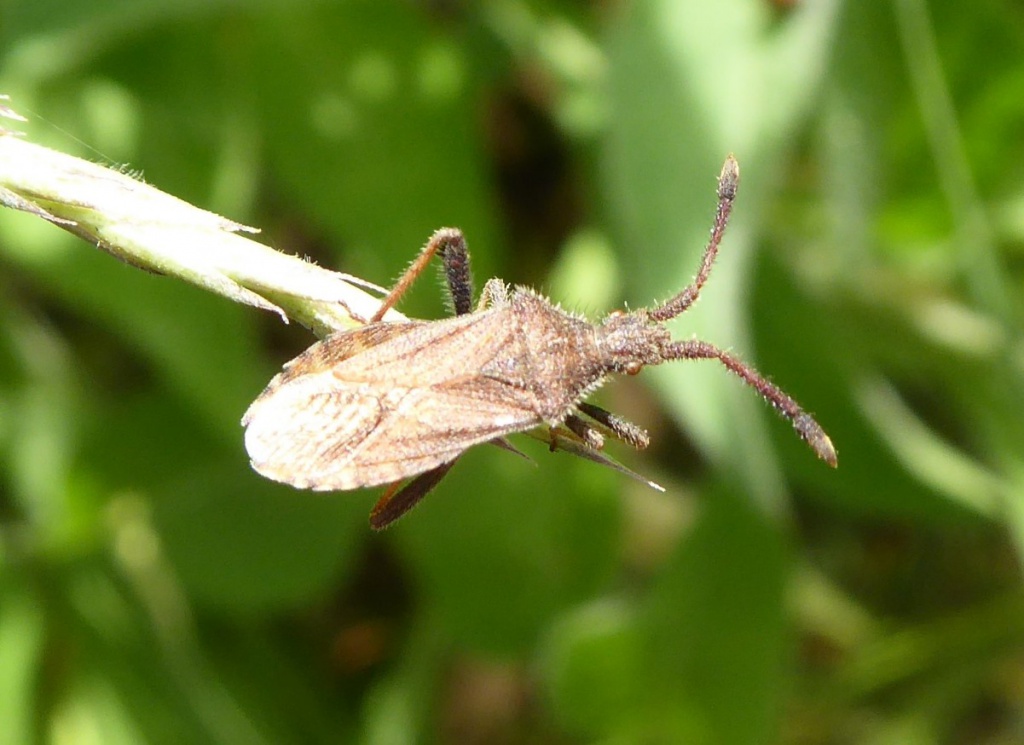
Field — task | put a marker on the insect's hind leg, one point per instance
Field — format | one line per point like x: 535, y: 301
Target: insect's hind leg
x: 455, y: 259
x: 452, y: 246
x: 396, y: 501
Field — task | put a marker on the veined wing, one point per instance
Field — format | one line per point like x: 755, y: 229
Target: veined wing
x: 385, y: 351
x: 377, y: 405
x: 414, y: 353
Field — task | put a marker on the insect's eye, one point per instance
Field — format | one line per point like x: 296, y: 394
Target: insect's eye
x: 633, y: 368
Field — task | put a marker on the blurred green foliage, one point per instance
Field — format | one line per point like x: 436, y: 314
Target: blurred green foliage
x: 153, y: 589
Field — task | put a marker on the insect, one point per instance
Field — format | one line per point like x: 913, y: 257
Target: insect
x: 393, y: 401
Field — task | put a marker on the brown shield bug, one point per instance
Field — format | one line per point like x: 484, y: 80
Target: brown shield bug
x: 393, y: 401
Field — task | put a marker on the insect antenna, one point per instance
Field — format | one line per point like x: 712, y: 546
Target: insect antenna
x: 728, y: 182
x: 808, y: 429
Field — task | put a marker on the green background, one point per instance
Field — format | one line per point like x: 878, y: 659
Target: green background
x: 153, y: 589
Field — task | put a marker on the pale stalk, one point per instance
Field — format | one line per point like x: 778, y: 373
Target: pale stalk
x: 155, y: 231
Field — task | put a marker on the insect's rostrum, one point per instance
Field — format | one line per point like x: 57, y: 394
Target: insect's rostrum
x: 394, y: 401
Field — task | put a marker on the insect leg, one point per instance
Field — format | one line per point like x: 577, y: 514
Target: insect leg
x: 439, y: 241
x: 495, y: 293
x: 455, y: 258
x: 396, y: 501
x: 620, y: 427
x: 585, y: 431
x: 728, y: 181
x: 808, y: 429
x: 451, y: 244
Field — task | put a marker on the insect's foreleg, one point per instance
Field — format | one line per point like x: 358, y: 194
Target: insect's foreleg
x: 439, y: 241
x: 728, y: 181
x: 620, y: 427
x: 808, y: 429
x: 587, y: 432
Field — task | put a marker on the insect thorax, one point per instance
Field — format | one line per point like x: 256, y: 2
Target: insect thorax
x: 554, y: 357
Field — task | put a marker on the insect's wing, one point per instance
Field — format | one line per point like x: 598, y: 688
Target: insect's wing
x: 351, y: 413
x: 296, y: 432
x: 363, y: 348
x: 430, y: 426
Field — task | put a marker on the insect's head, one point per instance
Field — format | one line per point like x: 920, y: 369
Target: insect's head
x: 630, y: 340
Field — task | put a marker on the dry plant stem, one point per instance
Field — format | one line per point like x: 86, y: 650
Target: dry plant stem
x: 155, y: 231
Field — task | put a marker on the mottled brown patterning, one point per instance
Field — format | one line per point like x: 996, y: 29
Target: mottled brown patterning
x: 400, y: 399
x: 393, y: 401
